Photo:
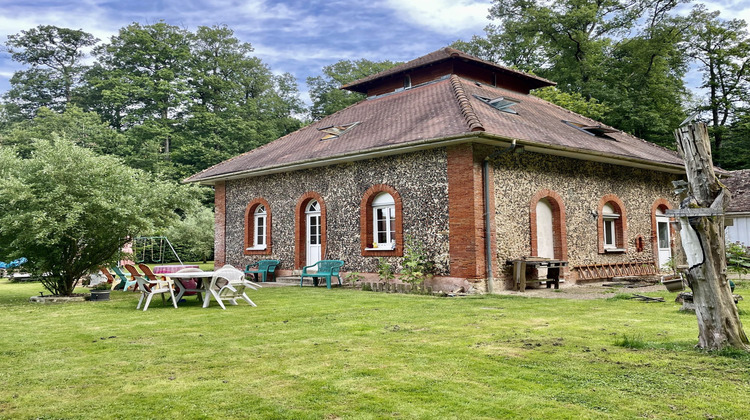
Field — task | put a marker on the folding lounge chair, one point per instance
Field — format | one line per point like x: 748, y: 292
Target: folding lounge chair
x: 229, y: 284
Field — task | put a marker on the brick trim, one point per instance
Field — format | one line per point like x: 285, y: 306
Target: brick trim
x: 365, y: 222
x: 466, y: 213
x: 559, y: 229
x: 663, y: 204
x: 250, y: 227
x: 220, y: 224
x: 621, y: 224
x: 300, y: 228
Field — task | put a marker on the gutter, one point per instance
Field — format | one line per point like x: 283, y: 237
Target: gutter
x: 481, y: 137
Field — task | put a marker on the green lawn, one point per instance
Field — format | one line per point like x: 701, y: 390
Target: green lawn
x: 326, y: 354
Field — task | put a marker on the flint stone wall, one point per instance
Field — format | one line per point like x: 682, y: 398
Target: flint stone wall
x: 581, y: 184
x: 420, y: 178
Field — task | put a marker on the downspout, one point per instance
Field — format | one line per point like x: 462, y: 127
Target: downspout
x: 487, y: 222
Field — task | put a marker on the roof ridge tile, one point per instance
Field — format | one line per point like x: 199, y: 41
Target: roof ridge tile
x: 472, y: 120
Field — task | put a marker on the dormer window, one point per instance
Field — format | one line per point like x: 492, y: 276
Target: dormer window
x: 500, y: 103
x: 335, y: 131
x: 592, y: 130
x: 407, y: 81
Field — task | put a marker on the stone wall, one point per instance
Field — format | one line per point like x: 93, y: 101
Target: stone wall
x: 581, y: 186
x: 420, y: 179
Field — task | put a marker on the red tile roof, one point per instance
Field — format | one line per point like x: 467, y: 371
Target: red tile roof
x: 441, y: 55
x: 445, y: 108
x: 739, y: 186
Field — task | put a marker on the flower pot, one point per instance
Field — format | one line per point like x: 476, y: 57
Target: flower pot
x: 674, y: 285
x: 99, y: 295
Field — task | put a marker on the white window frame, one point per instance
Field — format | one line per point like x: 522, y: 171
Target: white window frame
x: 259, y: 214
x: 383, y: 201
x: 609, y: 223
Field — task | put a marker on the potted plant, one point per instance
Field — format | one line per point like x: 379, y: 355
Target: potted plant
x: 101, y: 291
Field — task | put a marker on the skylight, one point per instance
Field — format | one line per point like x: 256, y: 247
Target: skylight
x: 334, y: 131
x: 500, y: 103
x: 592, y: 130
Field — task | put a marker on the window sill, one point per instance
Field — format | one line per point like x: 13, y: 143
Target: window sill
x: 380, y: 249
x: 614, y: 250
x: 256, y: 248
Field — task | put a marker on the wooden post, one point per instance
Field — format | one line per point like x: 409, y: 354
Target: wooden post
x: 701, y: 218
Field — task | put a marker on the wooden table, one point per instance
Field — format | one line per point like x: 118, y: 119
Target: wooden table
x: 522, y: 264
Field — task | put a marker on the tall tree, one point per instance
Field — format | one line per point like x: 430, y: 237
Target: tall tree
x: 56, y: 58
x: 722, y: 50
x: 326, y: 96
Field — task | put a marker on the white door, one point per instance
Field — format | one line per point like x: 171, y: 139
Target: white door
x: 312, y: 214
x: 663, y: 240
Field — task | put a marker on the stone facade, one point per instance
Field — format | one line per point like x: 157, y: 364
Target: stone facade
x: 434, y: 184
x: 582, y: 186
x: 419, y: 178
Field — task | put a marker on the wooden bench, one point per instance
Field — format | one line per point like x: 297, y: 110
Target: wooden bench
x: 325, y: 268
x: 265, y: 268
x: 553, y: 271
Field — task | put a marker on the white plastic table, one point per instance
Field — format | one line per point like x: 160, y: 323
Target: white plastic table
x: 205, y: 281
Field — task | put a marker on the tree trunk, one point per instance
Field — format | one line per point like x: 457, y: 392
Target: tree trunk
x: 701, y: 217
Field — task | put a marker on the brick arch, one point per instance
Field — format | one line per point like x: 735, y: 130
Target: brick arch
x: 250, y: 227
x: 621, y: 225
x: 662, y: 204
x: 365, y: 221
x: 300, y: 228
x: 559, y: 230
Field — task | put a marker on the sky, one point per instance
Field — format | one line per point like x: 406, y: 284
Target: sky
x: 295, y: 36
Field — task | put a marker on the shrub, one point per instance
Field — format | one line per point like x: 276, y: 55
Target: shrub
x: 416, y: 265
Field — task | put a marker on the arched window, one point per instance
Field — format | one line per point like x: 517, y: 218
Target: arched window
x: 258, y: 228
x: 611, y: 225
x: 381, y: 222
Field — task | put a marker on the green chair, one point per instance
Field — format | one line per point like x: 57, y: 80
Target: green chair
x: 265, y: 268
x: 123, y: 279
x: 325, y: 268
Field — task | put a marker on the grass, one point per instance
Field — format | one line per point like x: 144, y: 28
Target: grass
x: 312, y: 353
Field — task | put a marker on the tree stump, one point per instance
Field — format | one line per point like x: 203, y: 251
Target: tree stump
x: 701, y: 218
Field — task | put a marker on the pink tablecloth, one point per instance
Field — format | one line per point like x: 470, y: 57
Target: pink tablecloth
x: 166, y: 269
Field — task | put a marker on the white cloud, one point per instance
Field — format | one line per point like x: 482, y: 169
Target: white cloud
x: 455, y: 17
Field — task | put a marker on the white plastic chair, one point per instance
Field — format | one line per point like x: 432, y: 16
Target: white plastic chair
x: 150, y: 288
x: 183, y: 289
x: 228, y: 283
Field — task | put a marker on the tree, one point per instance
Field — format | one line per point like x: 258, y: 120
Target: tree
x: 701, y: 218
x: 326, y: 96
x: 722, y: 50
x: 55, y: 56
x: 573, y: 101
x: 193, y: 236
x: 64, y: 209
x: 85, y: 129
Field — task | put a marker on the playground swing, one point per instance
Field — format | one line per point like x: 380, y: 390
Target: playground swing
x: 142, y: 244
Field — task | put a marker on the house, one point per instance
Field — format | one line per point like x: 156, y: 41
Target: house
x: 738, y: 213
x: 438, y: 140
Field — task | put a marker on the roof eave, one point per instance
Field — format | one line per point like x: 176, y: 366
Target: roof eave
x: 477, y: 136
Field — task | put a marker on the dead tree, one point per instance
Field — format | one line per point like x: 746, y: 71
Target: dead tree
x: 701, y: 218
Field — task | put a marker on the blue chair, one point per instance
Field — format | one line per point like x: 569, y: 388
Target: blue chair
x: 325, y: 269
x: 123, y: 279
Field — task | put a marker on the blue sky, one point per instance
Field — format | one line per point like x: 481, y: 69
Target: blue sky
x: 293, y: 36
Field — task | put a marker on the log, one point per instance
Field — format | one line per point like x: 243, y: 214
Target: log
x: 702, y: 236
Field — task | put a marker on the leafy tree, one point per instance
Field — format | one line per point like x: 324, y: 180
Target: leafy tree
x: 85, y: 129
x: 69, y: 210
x: 573, y: 101
x: 326, y: 96
x: 193, y: 236
x: 55, y: 55
x: 722, y: 50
